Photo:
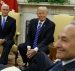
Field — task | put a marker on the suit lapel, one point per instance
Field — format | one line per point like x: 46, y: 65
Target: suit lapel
x: 43, y: 28
x: 35, y: 26
x: 57, y: 67
x: 68, y: 67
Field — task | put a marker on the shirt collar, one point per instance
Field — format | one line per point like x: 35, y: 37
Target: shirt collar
x: 4, y: 17
x: 41, y: 22
x: 66, y: 62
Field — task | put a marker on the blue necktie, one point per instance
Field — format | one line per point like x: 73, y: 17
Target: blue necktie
x: 36, y: 35
x: 3, y: 23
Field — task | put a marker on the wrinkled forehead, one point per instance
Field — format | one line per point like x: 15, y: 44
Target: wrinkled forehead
x: 68, y: 31
x: 70, y: 28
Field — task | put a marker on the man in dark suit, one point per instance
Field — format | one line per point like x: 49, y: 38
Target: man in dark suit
x: 7, y: 32
x: 65, y: 49
x: 38, y: 41
x: 65, y: 53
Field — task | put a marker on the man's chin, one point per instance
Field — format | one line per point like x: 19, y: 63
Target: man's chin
x: 59, y: 56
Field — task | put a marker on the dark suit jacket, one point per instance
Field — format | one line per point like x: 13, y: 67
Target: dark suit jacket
x: 45, y: 36
x: 68, y: 67
x: 9, y: 29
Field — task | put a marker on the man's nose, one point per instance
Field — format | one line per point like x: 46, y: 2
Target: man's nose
x: 57, y: 44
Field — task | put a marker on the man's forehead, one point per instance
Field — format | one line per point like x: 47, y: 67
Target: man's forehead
x: 68, y: 31
x: 5, y: 6
x: 69, y: 26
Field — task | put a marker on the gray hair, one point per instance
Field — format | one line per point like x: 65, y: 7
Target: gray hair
x: 4, y: 5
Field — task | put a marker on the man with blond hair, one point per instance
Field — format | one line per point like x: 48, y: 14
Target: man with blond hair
x: 40, y: 35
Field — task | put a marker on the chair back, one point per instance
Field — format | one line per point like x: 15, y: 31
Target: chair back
x: 61, y: 20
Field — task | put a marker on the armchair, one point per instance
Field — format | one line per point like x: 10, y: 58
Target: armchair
x: 61, y: 20
x: 14, y: 49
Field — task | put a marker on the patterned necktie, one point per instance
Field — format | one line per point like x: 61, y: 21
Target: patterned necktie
x: 3, y: 23
x: 36, y: 35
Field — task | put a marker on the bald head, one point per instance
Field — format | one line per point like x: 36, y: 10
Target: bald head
x: 70, y: 27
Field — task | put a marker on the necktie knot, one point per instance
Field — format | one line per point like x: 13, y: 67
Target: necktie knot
x: 40, y: 23
x: 39, y: 26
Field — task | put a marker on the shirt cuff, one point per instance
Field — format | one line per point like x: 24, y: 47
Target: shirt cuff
x: 28, y: 47
x: 36, y: 49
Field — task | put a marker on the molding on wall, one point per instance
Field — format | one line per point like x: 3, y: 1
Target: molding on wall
x: 53, y: 8
x: 46, y: 4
